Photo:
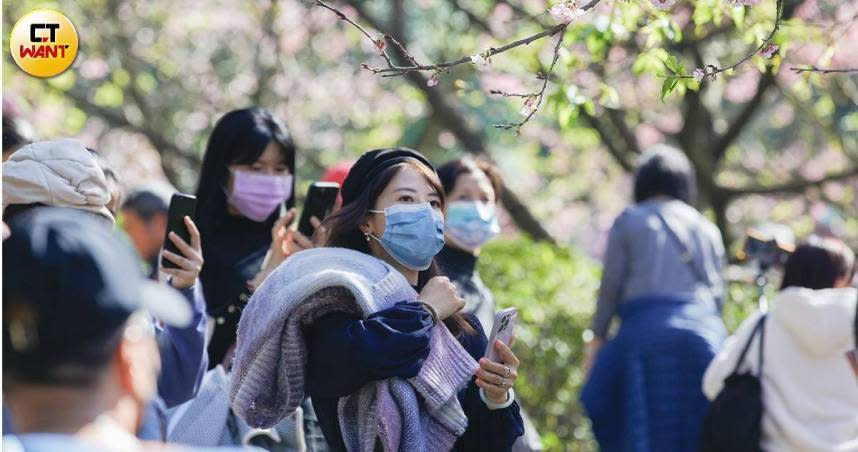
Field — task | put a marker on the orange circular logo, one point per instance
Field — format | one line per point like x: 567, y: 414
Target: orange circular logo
x: 44, y: 43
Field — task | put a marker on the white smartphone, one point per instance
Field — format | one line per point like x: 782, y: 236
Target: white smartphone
x: 501, y: 331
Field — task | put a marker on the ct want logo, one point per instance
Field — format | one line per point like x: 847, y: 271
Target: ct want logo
x: 44, y: 43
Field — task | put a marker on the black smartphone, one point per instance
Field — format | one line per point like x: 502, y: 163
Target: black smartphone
x: 181, y: 206
x: 321, y: 197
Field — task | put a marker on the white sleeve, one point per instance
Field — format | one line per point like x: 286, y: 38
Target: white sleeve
x: 725, y: 361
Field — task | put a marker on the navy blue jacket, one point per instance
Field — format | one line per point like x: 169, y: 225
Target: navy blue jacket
x: 345, y: 353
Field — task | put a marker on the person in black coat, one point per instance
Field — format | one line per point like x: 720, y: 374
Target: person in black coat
x: 247, y: 179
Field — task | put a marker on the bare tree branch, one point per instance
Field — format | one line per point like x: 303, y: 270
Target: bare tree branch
x: 395, y: 70
x: 711, y: 70
x: 472, y: 141
x: 799, y: 70
x: 795, y: 186
x: 537, y: 97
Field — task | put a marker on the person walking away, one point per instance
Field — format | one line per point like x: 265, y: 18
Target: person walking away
x: 662, y: 278
x: 809, y: 392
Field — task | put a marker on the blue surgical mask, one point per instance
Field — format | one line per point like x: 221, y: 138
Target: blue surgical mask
x: 413, y: 234
x: 471, y: 224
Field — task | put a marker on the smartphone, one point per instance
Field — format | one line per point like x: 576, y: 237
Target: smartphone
x: 501, y: 331
x: 181, y: 206
x: 321, y: 197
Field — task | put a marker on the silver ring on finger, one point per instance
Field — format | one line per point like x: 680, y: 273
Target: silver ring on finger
x: 508, y: 371
x: 503, y: 382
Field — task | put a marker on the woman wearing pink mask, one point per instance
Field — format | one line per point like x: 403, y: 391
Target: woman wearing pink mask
x: 246, y: 183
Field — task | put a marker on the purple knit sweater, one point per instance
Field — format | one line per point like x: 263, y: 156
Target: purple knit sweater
x: 422, y: 413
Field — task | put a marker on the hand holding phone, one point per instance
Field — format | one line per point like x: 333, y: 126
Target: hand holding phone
x: 502, y: 330
x: 321, y: 197
x: 499, y: 367
x: 182, y: 256
x: 181, y: 206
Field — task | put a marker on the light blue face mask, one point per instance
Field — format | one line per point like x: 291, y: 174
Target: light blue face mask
x: 471, y: 224
x: 413, y: 234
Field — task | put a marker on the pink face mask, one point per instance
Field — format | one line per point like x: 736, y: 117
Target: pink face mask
x: 257, y: 195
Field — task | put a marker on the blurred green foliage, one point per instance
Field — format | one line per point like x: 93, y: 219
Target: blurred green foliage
x: 555, y: 290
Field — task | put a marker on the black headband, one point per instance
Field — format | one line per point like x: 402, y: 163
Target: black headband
x: 373, y: 163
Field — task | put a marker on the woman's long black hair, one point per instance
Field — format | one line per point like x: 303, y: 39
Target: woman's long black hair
x: 344, y: 227
x: 239, y: 137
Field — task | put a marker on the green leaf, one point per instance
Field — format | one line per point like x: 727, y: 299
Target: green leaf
x: 567, y: 116
x: 608, y: 95
x: 738, y: 15
x: 702, y: 14
x: 64, y: 81
x: 672, y: 64
x: 597, y: 45
x: 668, y: 86
x: 650, y: 61
x: 146, y: 82
x: 108, y: 95
x: 121, y: 77
x: 589, y: 107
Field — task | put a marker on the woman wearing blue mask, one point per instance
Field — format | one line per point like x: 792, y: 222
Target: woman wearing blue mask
x: 472, y: 188
x: 378, y: 328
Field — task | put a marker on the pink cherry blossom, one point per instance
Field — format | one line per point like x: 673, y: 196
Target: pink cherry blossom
x: 565, y: 13
x: 769, y: 50
x: 433, y: 81
x: 479, y: 61
x: 699, y: 74
x: 663, y: 4
x: 529, y: 106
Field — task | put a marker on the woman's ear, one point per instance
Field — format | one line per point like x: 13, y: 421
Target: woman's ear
x: 364, y: 226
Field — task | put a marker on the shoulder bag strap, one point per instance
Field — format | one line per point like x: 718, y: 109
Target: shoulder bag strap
x: 685, y: 251
x: 761, y: 327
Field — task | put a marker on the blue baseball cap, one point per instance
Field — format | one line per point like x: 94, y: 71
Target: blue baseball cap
x: 69, y: 281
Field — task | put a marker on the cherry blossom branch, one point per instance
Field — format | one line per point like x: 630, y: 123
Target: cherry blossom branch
x: 379, y: 43
x: 529, y: 107
x: 506, y: 94
x: 766, y: 49
x: 393, y: 70
x: 799, y: 70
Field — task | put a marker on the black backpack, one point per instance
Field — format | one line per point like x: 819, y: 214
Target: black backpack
x: 733, y: 422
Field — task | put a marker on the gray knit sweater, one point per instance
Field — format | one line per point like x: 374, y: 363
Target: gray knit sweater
x: 268, y: 373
